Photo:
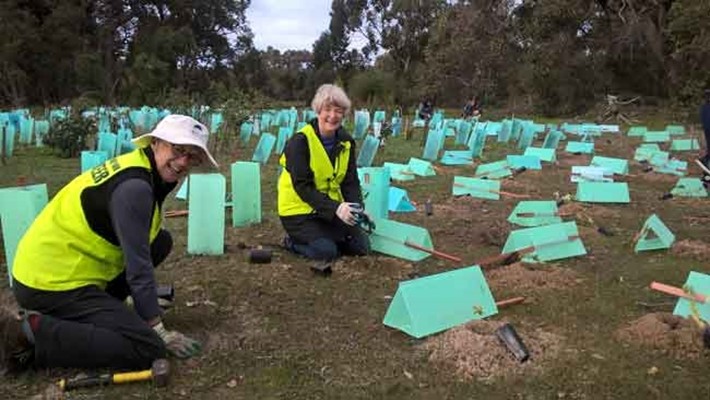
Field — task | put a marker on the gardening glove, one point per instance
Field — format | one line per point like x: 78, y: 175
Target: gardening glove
x: 177, y: 344
x: 346, y: 212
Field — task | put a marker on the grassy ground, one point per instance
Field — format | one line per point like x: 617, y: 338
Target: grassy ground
x: 278, y: 331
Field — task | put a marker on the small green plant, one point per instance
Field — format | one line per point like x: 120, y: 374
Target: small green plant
x: 68, y: 136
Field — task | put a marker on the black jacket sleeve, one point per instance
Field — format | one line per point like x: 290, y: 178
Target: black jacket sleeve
x: 298, y: 165
x: 131, y: 210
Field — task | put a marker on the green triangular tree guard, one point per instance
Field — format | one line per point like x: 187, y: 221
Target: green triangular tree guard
x: 547, y: 155
x: 205, y: 221
x: 552, y: 139
x: 675, y: 129
x: 698, y: 284
x: 506, y: 129
x: 398, y: 201
x: 685, y: 145
x: 457, y: 157
x: 494, y: 170
x: 368, y: 150
x: 389, y: 238
x: 656, y: 137
x: 551, y: 242
x: 580, y: 147
x: 434, y: 143
x: 528, y: 162
x: 375, y: 182
x: 19, y: 206
x: 689, y: 187
x: 477, y: 142
x: 438, y: 302
x: 654, y: 235
x: 646, y: 151
x: 603, y: 192
x: 615, y: 165
x: 245, y: 131
x: 475, y: 187
x: 246, y: 193
x: 90, y: 159
x: 421, y: 167
x: 609, y: 128
x: 527, y: 136
x: 535, y: 213
x: 591, y: 174
x: 463, y: 132
x: 637, y: 131
x: 400, y: 172
x: 263, y: 148
x: 285, y: 133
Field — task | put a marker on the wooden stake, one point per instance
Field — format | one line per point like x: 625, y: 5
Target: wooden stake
x: 533, y: 215
x: 176, y: 213
x: 678, y: 292
x: 433, y: 252
x: 510, y: 302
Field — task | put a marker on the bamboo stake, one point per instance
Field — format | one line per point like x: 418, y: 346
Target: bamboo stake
x: 433, y: 252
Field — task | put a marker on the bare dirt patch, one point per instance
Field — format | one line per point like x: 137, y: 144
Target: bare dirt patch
x: 568, y: 160
x: 695, y: 249
x: 665, y: 332
x: 472, y: 351
x: 523, y: 278
x: 352, y: 268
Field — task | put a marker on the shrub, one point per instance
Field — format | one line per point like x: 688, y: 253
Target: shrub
x: 68, y: 137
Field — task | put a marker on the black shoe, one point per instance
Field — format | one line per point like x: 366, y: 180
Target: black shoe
x: 287, y: 244
x: 16, y: 349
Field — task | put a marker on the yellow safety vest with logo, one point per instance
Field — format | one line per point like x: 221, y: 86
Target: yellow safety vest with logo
x: 62, y: 249
x: 327, y: 177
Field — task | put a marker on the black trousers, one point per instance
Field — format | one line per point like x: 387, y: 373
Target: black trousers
x: 92, y: 328
x: 707, y: 146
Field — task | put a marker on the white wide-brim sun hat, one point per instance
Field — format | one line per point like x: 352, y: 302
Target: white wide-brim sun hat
x: 179, y: 129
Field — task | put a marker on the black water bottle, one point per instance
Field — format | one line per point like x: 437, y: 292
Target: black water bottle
x: 428, y: 207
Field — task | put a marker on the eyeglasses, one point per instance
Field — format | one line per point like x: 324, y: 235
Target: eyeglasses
x: 193, y: 154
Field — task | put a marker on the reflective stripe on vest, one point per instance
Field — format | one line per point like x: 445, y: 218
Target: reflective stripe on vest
x: 60, y: 251
x: 327, y: 177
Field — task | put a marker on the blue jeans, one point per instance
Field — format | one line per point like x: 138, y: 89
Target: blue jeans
x: 325, y: 249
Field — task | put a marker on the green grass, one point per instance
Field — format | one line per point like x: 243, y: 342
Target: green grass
x: 279, y: 332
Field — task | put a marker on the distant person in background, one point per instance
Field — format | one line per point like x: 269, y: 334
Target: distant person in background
x: 426, y: 110
x: 472, y: 108
x: 705, y: 120
x: 319, y: 195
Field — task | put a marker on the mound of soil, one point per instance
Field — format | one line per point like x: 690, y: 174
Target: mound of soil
x: 349, y: 268
x: 522, y: 278
x: 665, y: 332
x: 472, y: 351
x: 695, y: 249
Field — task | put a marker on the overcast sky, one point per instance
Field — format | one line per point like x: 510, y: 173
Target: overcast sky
x: 288, y: 24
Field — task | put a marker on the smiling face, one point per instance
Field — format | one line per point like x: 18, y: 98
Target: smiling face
x: 173, y: 161
x: 330, y: 117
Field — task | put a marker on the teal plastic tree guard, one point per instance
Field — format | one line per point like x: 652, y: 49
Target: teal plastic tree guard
x: 477, y: 142
x: 506, y: 130
x: 617, y: 166
x: 457, y: 157
x: 685, y: 145
x: 368, y: 150
x: 379, y: 116
x: 435, y: 303
x: 609, y: 128
x: 547, y: 242
x: 90, y: 159
x: 697, y: 283
x: 216, y: 120
x: 517, y: 129
x: 246, y: 194
x: 284, y: 134
x: 263, y: 148
x: 245, y: 131
x: 689, y: 187
x: 656, y: 137
x: 492, y: 128
x: 552, y: 139
x: 434, y: 143
x: 535, y: 213
x: 654, y: 235
x: 659, y: 158
x: 362, y: 123
x: 580, y: 147
x: 205, y: 221
x: 400, y: 172
x: 494, y: 170
x: 463, y: 132
x: 646, y: 151
x: 603, y: 192
x: 637, y: 131
x: 672, y: 167
x: 421, y: 167
x: 391, y: 238
x: 480, y: 188
x: 527, y: 136
x: 108, y: 143
x: 675, y: 129
x: 26, y: 126
x: 375, y: 183
x: 7, y: 132
x: 41, y: 130
x: 528, y: 162
x: 399, y: 201
x: 19, y: 206
x: 547, y: 155
x: 183, y: 189
x: 591, y: 174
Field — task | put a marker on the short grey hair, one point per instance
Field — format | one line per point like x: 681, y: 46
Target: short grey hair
x: 330, y: 94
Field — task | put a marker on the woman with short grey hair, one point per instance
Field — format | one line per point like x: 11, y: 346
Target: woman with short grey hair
x: 319, y: 195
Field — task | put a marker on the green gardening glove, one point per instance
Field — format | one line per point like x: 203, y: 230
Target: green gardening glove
x: 178, y: 345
